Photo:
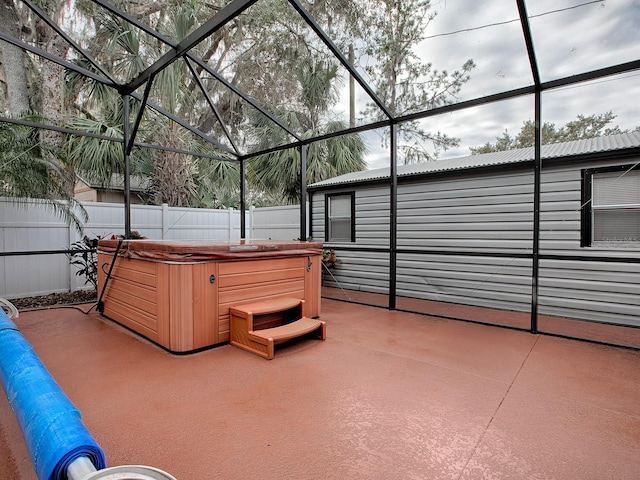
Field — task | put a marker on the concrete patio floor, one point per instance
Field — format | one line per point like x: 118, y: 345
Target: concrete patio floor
x: 388, y: 395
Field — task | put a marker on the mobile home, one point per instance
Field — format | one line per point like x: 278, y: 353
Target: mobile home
x: 515, y: 238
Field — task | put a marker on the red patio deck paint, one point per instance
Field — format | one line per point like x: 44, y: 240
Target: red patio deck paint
x: 387, y: 395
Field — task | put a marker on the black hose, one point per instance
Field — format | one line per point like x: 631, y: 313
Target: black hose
x: 100, y: 304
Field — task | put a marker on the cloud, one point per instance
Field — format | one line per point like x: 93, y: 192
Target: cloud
x: 569, y: 38
x: 587, y: 36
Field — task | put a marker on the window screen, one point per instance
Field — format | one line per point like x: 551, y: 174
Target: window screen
x: 340, y: 218
x: 615, y: 205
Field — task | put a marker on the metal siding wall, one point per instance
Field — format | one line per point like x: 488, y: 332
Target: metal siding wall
x: 372, y: 216
x: 481, y: 214
x: 501, y: 283
x: 487, y: 215
x: 597, y: 291
x: 366, y: 272
x: 317, y: 217
x: 560, y: 211
x: 490, y: 215
x: 360, y: 271
x: 607, y: 292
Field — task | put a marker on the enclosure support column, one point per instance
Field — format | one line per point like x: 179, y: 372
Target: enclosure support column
x: 243, y: 206
x: 126, y: 129
x: 528, y: 39
x: 393, y: 212
x: 536, y: 212
x: 303, y: 192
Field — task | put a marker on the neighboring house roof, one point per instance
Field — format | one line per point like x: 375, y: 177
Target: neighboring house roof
x: 136, y: 183
x: 556, y: 150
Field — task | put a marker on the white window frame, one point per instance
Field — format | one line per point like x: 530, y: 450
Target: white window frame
x: 330, y: 217
x: 605, y: 195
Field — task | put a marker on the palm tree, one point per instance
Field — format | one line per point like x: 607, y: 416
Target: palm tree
x: 175, y: 178
x: 26, y: 173
x: 181, y: 179
x: 279, y: 172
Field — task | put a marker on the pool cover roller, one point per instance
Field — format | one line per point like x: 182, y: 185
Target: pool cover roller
x: 50, y: 423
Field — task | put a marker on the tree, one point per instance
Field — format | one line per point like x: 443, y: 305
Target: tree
x: 13, y: 62
x: 274, y: 42
x: 392, y: 29
x: 279, y: 172
x: 582, y: 127
x: 256, y: 51
x: 25, y: 172
x: 28, y: 166
x: 177, y: 179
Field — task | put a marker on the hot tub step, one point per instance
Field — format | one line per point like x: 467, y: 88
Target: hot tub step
x: 276, y: 314
x: 292, y: 330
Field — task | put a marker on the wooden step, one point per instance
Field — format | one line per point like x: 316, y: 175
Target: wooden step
x: 291, y: 330
x: 258, y: 326
x: 271, y: 305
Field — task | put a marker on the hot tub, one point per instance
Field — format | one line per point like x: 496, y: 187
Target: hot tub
x: 177, y: 293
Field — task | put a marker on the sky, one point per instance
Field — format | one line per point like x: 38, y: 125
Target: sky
x: 570, y: 37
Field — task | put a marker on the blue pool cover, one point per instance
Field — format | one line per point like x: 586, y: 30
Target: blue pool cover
x: 50, y: 423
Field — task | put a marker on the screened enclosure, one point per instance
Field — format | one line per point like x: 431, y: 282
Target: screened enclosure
x: 278, y: 95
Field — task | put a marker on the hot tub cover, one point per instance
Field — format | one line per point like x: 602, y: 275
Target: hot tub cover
x: 207, y: 250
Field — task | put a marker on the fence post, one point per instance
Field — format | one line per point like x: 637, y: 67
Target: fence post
x: 73, y: 236
x: 165, y: 220
x: 69, y: 267
x: 252, y: 213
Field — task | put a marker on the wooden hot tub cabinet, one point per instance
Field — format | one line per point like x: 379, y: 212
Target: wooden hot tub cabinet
x: 178, y: 293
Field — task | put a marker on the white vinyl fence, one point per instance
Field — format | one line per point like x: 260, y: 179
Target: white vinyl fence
x: 31, y: 226
x: 275, y: 223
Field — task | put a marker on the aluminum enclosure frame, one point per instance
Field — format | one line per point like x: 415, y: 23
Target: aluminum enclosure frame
x: 182, y: 50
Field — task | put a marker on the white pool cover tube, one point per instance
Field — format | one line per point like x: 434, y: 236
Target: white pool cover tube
x: 50, y: 423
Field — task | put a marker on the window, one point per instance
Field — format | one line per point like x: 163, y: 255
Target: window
x: 611, y: 213
x: 340, y: 217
